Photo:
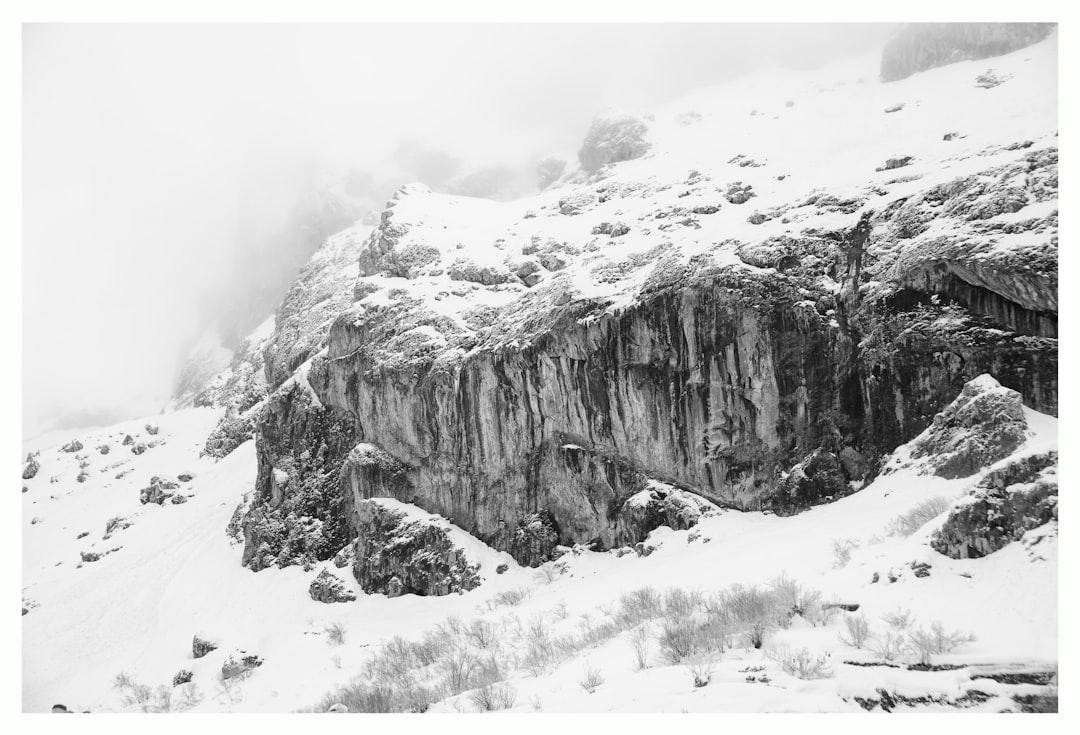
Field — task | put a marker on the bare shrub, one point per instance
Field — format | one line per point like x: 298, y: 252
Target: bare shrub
x: 752, y: 611
x: 908, y: 523
x: 801, y: 663
x: 927, y: 643
x: 132, y: 693
x: 639, y: 606
x: 163, y: 699
x: 701, y: 671
x: 549, y: 572
x: 509, y: 597
x: 430, y: 647
x: 889, y: 647
x: 451, y: 627
x: 592, y: 679
x: 680, y: 604
x: 335, y: 633
x: 898, y: 619
x: 481, y: 633
x: 457, y: 668
x: 821, y: 615
x: 858, y: 631
x: 560, y: 611
x: 639, y: 644
x: 678, y: 640
x: 792, y: 599
x: 495, y: 696
x: 842, y: 550
x: 537, y: 706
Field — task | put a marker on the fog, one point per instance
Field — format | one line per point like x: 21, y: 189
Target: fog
x: 159, y: 160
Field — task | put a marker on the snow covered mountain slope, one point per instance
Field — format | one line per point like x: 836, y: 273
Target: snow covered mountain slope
x: 170, y: 572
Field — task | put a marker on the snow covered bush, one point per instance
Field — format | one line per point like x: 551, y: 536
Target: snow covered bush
x: 801, y: 663
x: 908, y: 523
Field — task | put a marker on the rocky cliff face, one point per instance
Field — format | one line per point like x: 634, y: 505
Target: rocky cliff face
x: 916, y: 47
x: 528, y: 369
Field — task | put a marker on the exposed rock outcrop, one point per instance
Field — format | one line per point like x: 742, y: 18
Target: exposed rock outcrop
x: 984, y: 424
x: 916, y: 47
x: 613, y: 137
x: 1001, y: 508
x: 397, y: 554
x: 660, y: 505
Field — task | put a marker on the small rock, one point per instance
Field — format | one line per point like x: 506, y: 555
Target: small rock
x: 501, y: 568
x: 36, y: 520
x: 83, y: 476
x: 32, y: 466
x: 128, y: 440
x: 151, y: 430
x: 84, y: 534
x: 89, y: 555
x: 138, y: 448
x: 103, y: 449
x: 895, y: 108
x: 73, y: 446
x: 183, y: 676
x: 178, y: 499
x: 185, y: 477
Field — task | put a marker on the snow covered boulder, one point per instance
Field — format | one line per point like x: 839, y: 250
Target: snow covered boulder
x: 401, y: 549
x: 659, y: 505
x: 72, y: 446
x: 32, y: 466
x: 328, y: 587
x: 985, y: 424
x: 613, y: 137
x: 1001, y: 508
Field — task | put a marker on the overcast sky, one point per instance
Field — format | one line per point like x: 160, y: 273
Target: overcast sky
x: 140, y: 140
